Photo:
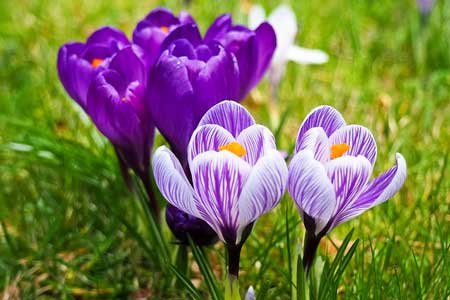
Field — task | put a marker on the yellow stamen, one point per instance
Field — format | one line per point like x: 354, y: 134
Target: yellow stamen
x: 234, y: 147
x: 337, y: 150
x: 165, y: 29
x: 96, y: 62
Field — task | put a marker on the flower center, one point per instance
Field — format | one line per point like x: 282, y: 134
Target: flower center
x: 96, y: 62
x: 234, y: 147
x: 165, y: 29
x: 337, y: 150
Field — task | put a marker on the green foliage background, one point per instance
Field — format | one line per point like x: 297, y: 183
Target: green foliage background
x: 60, y: 184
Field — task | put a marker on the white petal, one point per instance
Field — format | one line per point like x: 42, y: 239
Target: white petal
x: 349, y: 176
x: 207, y: 138
x: 377, y: 191
x: 256, y: 140
x: 263, y: 189
x: 311, y: 188
x: 218, y: 179
x: 284, y: 23
x: 256, y: 16
x: 306, y: 56
x: 172, y: 181
x: 316, y: 140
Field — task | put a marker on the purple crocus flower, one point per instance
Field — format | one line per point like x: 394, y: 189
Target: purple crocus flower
x: 425, y: 6
x: 79, y: 62
x: 184, y: 225
x: 151, y: 31
x: 253, y: 48
x: 237, y: 175
x: 115, y: 104
x: 329, y: 176
x: 189, y: 78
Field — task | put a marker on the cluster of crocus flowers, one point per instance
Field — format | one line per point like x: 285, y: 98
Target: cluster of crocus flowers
x: 168, y: 76
x: 330, y: 175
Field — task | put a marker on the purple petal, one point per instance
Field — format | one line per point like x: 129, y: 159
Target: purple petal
x: 257, y: 140
x: 172, y: 181
x: 218, y: 179
x: 217, y: 81
x: 129, y: 65
x: 218, y: 28
x: 349, y: 176
x: 115, y: 118
x: 111, y: 37
x: 267, y: 42
x: 65, y: 74
x: 188, y: 31
x: 360, y: 140
x: 263, y: 189
x: 230, y: 115
x: 377, y: 191
x: 316, y: 140
x: 207, y: 138
x: 169, y: 98
x: 323, y: 116
x: 311, y: 188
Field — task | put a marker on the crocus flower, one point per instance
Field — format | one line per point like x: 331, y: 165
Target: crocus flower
x: 237, y: 175
x: 78, y: 63
x: 329, y: 176
x: 183, y: 225
x: 115, y: 104
x: 250, y: 295
x: 425, y: 7
x: 284, y: 23
x: 151, y: 31
x: 188, y: 79
x: 253, y: 48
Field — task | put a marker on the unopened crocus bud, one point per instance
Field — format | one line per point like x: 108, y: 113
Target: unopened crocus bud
x: 184, y: 225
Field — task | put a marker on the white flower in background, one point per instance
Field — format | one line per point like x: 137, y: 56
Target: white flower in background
x: 250, y: 294
x: 284, y: 23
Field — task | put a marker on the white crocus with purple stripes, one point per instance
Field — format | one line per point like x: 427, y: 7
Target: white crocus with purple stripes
x: 237, y: 173
x: 329, y: 176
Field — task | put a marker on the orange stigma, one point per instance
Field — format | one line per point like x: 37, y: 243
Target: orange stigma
x: 337, y: 150
x: 96, y: 62
x: 165, y: 29
x: 234, y: 147
x: 123, y: 99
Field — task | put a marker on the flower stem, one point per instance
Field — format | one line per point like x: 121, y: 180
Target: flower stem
x: 310, y: 248
x: 124, y: 170
x: 232, y: 284
x: 152, y: 201
x: 232, y: 288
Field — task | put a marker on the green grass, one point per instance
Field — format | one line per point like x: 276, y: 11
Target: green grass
x: 70, y: 229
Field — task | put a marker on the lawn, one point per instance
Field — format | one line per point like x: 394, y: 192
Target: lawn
x: 70, y: 229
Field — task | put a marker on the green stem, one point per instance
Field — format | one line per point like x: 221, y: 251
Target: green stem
x: 232, y: 288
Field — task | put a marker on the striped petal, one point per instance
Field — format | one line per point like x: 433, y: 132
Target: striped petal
x: 316, y: 140
x: 230, y: 115
x: 360, y: 140
x: 263, y: 189
x: 311, y: 188
x: 207, y: 138
x: 349, y: 176
x: 323, y: 116
x: 218, y: 179
x: 256, y: 140
x: 172, y: 181
x: 377, y: 191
